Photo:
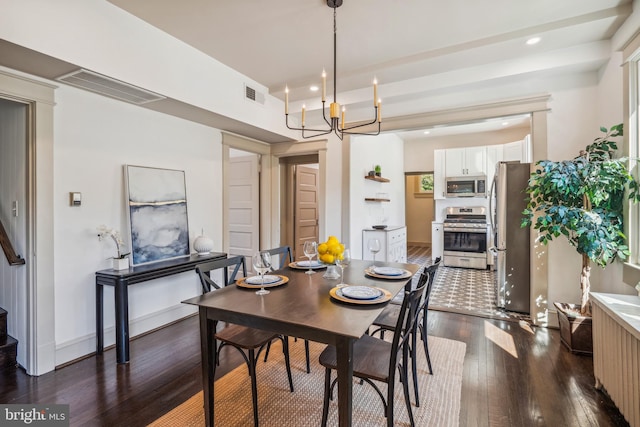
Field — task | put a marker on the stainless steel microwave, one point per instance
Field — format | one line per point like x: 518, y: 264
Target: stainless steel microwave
x: 466, y: 186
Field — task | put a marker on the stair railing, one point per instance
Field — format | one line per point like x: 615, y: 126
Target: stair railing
x: 7, y: 248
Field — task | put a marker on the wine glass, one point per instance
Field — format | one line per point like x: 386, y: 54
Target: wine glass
x: 343, y: 262
x: 374, y: 247
x: 262, y: 264
x: 310, y: 250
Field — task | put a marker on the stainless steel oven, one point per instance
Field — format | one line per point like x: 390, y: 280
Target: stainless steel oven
x: 465, y: 237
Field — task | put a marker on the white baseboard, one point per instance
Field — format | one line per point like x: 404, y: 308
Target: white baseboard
x: 82, y: 346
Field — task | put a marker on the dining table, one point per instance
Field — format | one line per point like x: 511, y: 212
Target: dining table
x: 302, y: 307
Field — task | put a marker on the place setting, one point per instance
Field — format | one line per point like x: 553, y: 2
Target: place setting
x: 389, y: 273
x: 358, y: 294
x: 310, y: 250
x: 261, y: 262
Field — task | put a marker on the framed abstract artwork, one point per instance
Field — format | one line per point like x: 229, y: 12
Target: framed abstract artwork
x: 157, y: 203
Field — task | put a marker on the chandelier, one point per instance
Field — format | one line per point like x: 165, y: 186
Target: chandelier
x: 336, y: 121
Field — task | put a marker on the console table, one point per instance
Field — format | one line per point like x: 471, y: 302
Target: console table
x: 121, y: 280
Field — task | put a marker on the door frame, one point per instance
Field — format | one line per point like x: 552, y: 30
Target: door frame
x: 271, y: 182
x: 262, y: 149
x: 288, y: 201
x: 40, y: 317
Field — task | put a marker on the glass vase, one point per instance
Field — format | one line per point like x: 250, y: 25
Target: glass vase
x: 332, y: 272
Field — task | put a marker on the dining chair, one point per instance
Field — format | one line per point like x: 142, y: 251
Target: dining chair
x: 244, y: 339
x: 386, y: 321
x: 377, y: 359
x: 285, y: 256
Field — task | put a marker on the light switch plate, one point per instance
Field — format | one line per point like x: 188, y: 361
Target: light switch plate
x: 75, y: 199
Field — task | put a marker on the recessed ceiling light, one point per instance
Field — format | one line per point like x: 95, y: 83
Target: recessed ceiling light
x: 426, y: 132
x: 313, y: 88
x: 533, y: 40
x: 505, y: 123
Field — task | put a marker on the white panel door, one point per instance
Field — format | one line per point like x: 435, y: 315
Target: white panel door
x: 244, y: 206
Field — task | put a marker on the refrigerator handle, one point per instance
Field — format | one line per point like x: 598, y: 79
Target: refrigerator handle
x: 491, y: 195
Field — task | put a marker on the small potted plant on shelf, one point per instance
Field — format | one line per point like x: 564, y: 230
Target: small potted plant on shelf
x: 120, y: 261
x: 378, y: 170
x: 583, y: 200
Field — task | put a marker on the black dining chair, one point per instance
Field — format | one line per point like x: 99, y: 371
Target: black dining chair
x: 379, y: 360
x: 244, y: 339
x: 285, y: 256
x: 386, y: 321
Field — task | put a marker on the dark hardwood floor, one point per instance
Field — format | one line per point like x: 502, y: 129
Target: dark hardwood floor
x: 512, y: 377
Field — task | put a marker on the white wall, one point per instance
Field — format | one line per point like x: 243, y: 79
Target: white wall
x: 85, y: 32
x: 366, y: 152
x: 94, y: 137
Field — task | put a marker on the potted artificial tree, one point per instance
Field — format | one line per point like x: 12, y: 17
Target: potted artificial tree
x: 583, y: 200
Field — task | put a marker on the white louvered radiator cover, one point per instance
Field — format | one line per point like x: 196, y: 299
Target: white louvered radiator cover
x: 616, y: 351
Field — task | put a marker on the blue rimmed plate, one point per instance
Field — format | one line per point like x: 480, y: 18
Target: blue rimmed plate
x: 361, y: 292
x: 404, y: 274
x: 336, y: 293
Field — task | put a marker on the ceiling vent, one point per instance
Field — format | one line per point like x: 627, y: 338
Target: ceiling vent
x: 253, y: 95
x: 107, y: 86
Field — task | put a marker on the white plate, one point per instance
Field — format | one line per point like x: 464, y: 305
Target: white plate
x: 360, y: 292
x: 308, y: 264
x: 255, y: 280
x: 388, y: 271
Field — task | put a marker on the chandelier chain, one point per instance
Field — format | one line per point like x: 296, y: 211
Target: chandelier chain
x: 340, y: 129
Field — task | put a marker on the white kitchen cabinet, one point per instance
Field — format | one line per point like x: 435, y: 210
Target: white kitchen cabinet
x: 438, y: 174
x: 437, y: 240
x: 519, y: 151
x: 465, y: 161
x: 393, y: 244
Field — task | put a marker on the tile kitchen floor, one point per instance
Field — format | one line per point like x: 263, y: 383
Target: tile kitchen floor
x: 463, y: 290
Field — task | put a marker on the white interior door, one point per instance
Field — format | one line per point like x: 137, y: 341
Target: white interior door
x: 244, y: 205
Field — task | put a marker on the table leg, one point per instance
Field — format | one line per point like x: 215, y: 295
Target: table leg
x: 207, y: 344
x: 122, y: 321
x: 344, y: 353
x: 99, y: 319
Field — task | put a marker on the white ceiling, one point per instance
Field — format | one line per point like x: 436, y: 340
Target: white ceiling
x: 427, y: 55
x: 413, y: 47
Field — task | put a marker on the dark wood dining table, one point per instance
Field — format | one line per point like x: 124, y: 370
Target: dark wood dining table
x: 300, y: 308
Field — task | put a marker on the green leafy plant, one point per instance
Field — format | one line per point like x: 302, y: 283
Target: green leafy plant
x: 583, y: 200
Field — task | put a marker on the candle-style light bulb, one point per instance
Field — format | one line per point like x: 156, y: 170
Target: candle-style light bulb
x: 343, y: 110
x: 379, y: 111
x: 303, y: 107
x: 286, y: 99
x: 324, y: 85
x: 375, y: 91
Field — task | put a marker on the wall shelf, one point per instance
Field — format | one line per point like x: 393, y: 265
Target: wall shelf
x: 376, y: 178
x: 373, y: 199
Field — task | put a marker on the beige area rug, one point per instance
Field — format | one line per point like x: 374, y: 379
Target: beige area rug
x: 439, y: 393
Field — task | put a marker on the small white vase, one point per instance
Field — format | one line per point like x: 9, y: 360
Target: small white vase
x: 121, y: 263
x: 203, y: 245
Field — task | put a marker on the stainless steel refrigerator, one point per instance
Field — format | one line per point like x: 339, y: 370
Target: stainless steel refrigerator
x: 511, y: 242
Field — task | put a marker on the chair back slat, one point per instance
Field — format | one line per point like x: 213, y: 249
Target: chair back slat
x: 204, y: 272
x: 284, y: 255
x: 407, y: 317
